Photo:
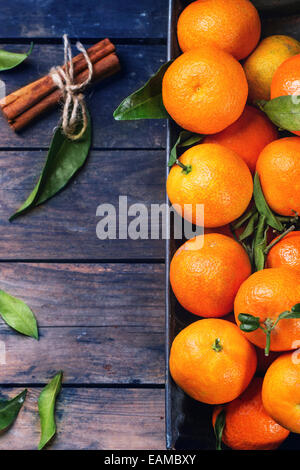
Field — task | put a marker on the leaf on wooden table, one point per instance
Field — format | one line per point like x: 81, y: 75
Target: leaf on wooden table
x: 9, y: 60
x: 145, y: 103
x: 283, y: 111
x: 18, y: 315
x: 185, y: 139
x: 65, y: 157
x: 46, y: 406
x: 9, y: 410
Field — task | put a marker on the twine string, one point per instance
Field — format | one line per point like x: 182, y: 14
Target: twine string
x: 74, y: 108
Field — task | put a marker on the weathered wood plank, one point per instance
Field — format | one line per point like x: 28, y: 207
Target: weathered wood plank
x: 89, y: 294
x: 114, y: 18
x: 138, y: 64
x: 98, y: 355
x: 93, y: 419
x: 65, y: 227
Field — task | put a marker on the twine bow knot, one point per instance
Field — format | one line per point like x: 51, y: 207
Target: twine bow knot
x: 74, y: 109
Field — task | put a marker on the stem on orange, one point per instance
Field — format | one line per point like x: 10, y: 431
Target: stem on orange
x: 217, y: 345
x: 280, y: 237
x: 186, y: 169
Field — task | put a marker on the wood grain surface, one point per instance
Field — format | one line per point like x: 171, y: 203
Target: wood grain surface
x: 65, y: 227
x: 95, y: 295
x: 89, y: 19
x: 101, y: 322
x: 93, y: 419
x: 138, y: 63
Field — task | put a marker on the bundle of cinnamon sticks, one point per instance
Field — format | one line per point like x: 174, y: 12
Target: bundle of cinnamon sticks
x: 28, y: 103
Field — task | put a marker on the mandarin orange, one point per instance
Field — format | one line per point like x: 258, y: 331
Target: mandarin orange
x: 266, y: 294
x: 212, y: 361
x: 205, y: 280
x: 286, y: 252
x: 247, y: 136
x: 231, y: 25
x: 218, y: 178
x: 286, y: 79
x: 248, y: 426
x: 281, y: 391
x: 261, y: 65
x: 205, y: 90
x: 278, y: 167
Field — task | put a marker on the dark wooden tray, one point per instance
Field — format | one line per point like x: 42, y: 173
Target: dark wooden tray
x: 188, y: 422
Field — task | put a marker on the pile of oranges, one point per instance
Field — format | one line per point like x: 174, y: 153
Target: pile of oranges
x: 208, y: 91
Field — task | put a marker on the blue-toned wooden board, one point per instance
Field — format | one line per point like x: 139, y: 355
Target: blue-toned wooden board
x: 65, y: 227
x: 100, y: 323
x: 87, y: 354
x: 83, y: 19
x: 103, y: 295
x: 138, y: 63
x: 92, y: 419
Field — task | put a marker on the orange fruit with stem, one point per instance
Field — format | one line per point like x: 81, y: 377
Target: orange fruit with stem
x: 206, y: 278
x: 247, y: 424
x: 231, y: 25
x: 212, y: 175
x: 278, y: 167
x: 286, y: 252
x: 265, y: 295
x: 286, y: 80
x: 247, y: 136
x: 261, y: 65
x: 281, y: 391
x: 212, y: 361
x: 205, y: 90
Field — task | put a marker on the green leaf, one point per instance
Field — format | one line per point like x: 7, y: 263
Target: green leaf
x: 296, y: 308
x: 9, y: 60
x: 9, y: 410
x: 284, y: 111
x: 243, y: 218
x: 288, y: 315
x: 145, y: 103
x: 18, y: 315
x: 193, y: 139
x: 185, y: 139
x: 46, y: 406
x: 219, y: 428
x: 248, y: 322
x: 250, y: 227
x: 260, y: 243
x: 263, y: 207
x: 65, y: 157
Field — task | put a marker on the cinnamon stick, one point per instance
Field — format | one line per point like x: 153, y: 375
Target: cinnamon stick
x: 24, y: 105
x: 35, y: 91
x: 102, y: 69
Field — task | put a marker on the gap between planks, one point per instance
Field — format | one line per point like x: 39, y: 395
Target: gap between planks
x: 131, y: 386
x: 88, y: 261
x: 138, y: 41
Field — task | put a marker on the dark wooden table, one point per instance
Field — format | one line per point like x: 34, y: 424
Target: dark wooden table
x: 99, y: 304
